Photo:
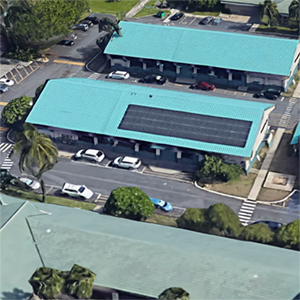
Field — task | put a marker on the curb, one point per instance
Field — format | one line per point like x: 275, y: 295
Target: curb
x: 218, y: 193
x: 278, y: 201
x: 7, y: 136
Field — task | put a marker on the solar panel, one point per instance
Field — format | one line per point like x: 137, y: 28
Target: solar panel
x: 203, y: 128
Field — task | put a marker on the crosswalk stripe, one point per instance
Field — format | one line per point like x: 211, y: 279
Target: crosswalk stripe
x: 246, y: 214
x: 246, y: 211
x: 249, y: 204
x: 4, y: 147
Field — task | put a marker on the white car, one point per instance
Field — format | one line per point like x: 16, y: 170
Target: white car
x: 127, y: 162
x: 7, y: 82
x: 80, y: 191
x: 91, y: 154
x: 31, y: 183
x: 118, y: 75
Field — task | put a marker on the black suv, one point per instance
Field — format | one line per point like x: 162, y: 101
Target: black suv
x: 206, y: 20
x: 94, y: 20
x: 271, y: 94
x: 177, y: 16
x: 153, y: 79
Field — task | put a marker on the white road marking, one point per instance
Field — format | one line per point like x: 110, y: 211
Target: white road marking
x: 192, y: 21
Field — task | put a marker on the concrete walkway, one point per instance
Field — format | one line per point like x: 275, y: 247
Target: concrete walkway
x: 296, y: 93
x: 265, y: 166
x: 136, y: 9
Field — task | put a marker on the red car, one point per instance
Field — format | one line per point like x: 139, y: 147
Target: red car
x: 203, y: 86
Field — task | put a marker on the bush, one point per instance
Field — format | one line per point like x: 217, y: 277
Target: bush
x: 129, y: 202
x: 174, y: 293
x: 38, y: 90
x: 260, y: 233
x: 212, y: 169
x: 193, y: 219
x: 15, y: 110
x: 288, y: 235
x: 29, y: 54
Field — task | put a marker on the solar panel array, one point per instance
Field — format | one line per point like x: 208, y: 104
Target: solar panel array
x: 197, y: 127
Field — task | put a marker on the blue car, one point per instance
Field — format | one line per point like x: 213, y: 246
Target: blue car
x: 166, y: 206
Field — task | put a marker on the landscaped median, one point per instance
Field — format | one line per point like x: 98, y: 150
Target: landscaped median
x: 278, y: 29
x: 110, y: 7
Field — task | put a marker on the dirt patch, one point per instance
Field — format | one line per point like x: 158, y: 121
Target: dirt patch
x: 269, y: 195
x: 284, y: 161
x: 262, y: 154
x: 240, y: 187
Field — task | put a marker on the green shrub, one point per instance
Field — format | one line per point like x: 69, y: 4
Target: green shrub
x: 288, y: 235
x: 260, y: 233
x: 129, y: 202
x: 174, y: 293
x: 193, y: 219
x: 15, y: 110
x: 29, y: 54
x: 231, y: 171
x: 38, y: 90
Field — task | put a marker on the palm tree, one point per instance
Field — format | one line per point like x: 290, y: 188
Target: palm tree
x: 294, y: 18
x: 37, y: 153
x: 3, y: 6
x: 268, y: 13
x: 174, y: 293
x: 108, y: 25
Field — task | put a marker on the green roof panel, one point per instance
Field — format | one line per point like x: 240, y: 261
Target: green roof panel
x: 229, y: 50
x: 99, y: 106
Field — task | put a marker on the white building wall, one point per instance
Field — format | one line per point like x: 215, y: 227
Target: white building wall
x: 294, y: 66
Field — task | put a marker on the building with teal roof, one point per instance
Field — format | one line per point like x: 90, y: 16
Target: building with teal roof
x: 138, y: 258
x: 226, y: 59
x: 165, y: 124
x: 296, y: 135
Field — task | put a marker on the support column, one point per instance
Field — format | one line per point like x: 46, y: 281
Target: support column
x: 179, y: 154
x: 137, y: 147
x: 265, y: 80
x: 95, y: 140
x: 112, y: 62
x: 195, y: 70
x: 178, y: 69
x: 248, y: 78
x: 157, y: 152
x: 144, y: 65
x: 161, y: 67
x: 229, y: 76
x: 212, y: 72
x: 128, y: 63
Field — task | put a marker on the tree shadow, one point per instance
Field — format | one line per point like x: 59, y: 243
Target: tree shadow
x: 15, y: 294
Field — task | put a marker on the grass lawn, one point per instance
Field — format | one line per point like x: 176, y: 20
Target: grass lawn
x: 162, y: 220
x: 266, y: 194
x: 49, y: 199
x: 278, y: 29
x: 240, y: 187
x: 206, y: 13
x: 112, y: 8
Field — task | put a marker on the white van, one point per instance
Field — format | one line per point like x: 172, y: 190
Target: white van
x: 118, y: 75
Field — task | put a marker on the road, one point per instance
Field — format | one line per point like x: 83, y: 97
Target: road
x: 103, y: 180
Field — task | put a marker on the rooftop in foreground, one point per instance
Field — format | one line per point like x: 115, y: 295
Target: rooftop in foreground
x: 242, y: 52
x: 140, y: 258
x: 103, y: 107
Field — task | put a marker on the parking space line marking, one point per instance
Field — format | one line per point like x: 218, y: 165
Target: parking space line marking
x: 68, y: 62
x: 282, y: 99
x: 225, y: 92
x: 244, y: 94
x: 3, y: 103
x: 144, y: 169
x: 192, y: 21
x: 234, y: 93
x: 49, y: 190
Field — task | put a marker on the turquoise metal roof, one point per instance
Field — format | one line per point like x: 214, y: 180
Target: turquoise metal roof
x: 98, y: 107
x: 143, y: 258
x: 227, y: 50
x: 296, y: 135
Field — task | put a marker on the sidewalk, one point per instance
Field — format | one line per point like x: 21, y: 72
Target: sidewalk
x: 296, y: 93
x: 136, y: 9
x: 265, y: 166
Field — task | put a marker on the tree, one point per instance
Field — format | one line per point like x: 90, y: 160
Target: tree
x: 108, y: 25
x: 7, y: 179
x: 3, y: 6
x: 218, y: 219
x: 174, y: 293
x: 38, y: 90
x: 294, y: 13
x: 15, y: 110
x: 212, y: 169
x: 268, y: 13
x: 193, y: 219
x: 260, y: 233
x: 129, y: 202
x: 36, y: 152
x: 288, y: 235
x: 48, y: 283
x: 222, y: 220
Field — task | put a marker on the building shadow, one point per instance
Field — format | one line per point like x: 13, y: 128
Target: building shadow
x: 15, y: 294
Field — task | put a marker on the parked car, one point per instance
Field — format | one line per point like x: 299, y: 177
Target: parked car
x: 271, y: 94
x: 160, y: 14
x: 203, y: 86
x: 87, y: 22
x: 177, y: 16
x: 80, y: 26
x: 66, y: 43
x: 206, y: 21
x: 217, y: 21
x: 153, y: 79
x: 7, y: 82
x: 77, y: 191
x: 272, y: 225
x: 95, y: 20
x: 91, y: 154
x: 31, y: 183
x: 166, y: 206
x: 127, y: 162
x: 3, y: 88
x: 118, y: 75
